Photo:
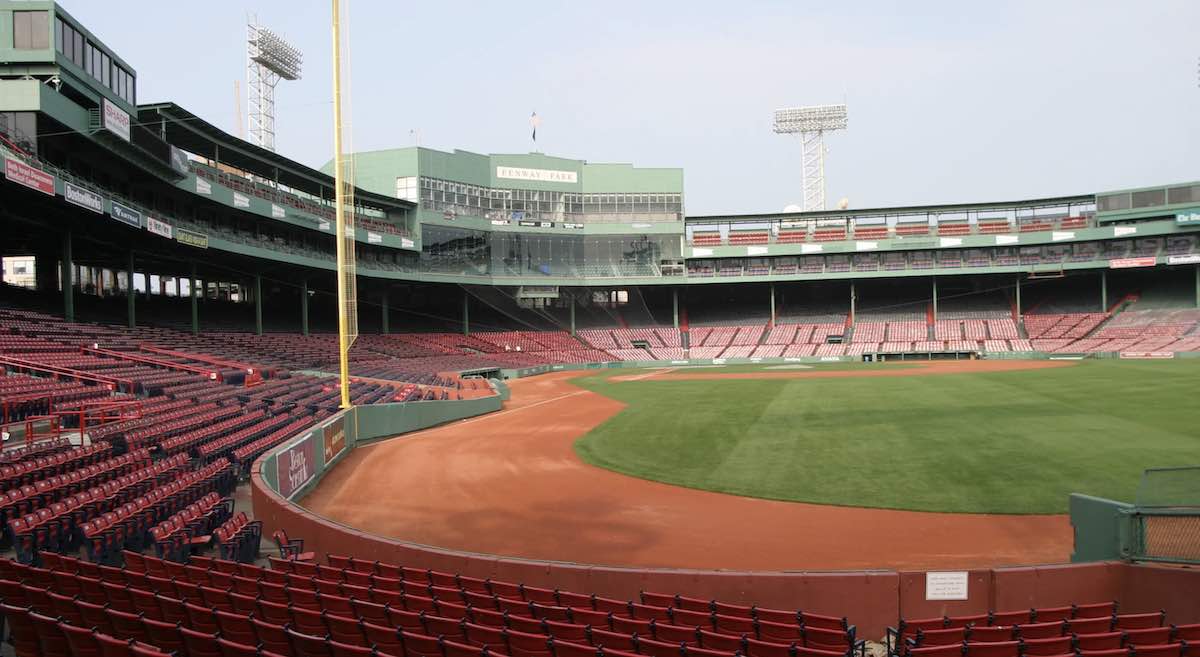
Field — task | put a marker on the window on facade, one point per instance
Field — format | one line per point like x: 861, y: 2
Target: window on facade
x: 31, y: 30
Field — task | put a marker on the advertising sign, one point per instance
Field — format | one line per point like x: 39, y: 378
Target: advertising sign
x: 1129, y: 263
x: 126, y: 215
x: 241, y: 200
x: 116, y: 120
x: 203, y: 186
x: 191, y: 238
x: 374, y: 238
x: 161, y: 228
x: 295, y: 466
x: 84, y: 198
x: 335, y: 438
x: 23, y: 174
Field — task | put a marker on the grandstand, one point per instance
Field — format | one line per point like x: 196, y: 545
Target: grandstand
x: 167, y: 351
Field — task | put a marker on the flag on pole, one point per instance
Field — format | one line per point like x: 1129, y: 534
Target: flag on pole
x: 534, y: 122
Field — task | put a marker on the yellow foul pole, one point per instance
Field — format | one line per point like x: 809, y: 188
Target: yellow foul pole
x: 340, y: 210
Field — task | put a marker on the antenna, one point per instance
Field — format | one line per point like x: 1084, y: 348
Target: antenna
x: 811, y: 123
x: 269, y: 59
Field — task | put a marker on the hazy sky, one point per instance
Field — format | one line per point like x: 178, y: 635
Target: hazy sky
x: 949, y: 101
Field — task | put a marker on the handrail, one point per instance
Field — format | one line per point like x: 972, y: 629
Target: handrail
x: 201, y: 358
x: 113, y: 383
x: 124, y: 355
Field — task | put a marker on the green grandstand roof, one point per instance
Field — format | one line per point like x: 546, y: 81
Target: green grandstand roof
x: 195, y: 135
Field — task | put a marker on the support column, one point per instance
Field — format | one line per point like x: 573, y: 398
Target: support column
x: 1103, y: 290
x: 195, y: 305
x: 130, y: 300
x: 258, y: 328
x: 571, y: 305
x: 935, y: 299
x: 1018, y: 318
x: 675, y: 306
x: 68, y: 278
x: 1198, y: 286
x: 772, y: 305
x: 853, y: 301
x: 304, y: 307
x: 466, y: 315
x: 385, y: 312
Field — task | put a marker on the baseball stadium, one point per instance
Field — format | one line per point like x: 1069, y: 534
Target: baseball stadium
x: 439, y: 403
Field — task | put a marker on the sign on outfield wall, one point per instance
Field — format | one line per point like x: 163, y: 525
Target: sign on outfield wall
x: 295, y: 466
x: 951, y: 585
x: 335, y: 438
x: 23, y: 174
x: 116, y: 120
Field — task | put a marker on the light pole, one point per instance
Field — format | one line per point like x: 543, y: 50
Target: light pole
x: 269, y: 59
x: 811, y: 123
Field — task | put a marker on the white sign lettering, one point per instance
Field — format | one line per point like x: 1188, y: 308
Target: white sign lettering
x: 83, y: 197
x: 277, y: 211
x: 1121, y: 231
x: 203, y: 186
x: 951, y: 241
x: 756, y: 250
x: 1059, y: 235
x: 1006, y: 239
x: 240, y: 200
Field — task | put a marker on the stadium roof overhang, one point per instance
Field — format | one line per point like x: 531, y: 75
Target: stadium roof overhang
x: 191, y: 133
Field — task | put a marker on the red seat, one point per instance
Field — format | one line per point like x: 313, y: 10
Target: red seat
x: 304, y: 645
x: 1089, y: 625
x: 1059, y: 645
x: 992, y: 649
x: 1099, y: 641
x: 1161, y: 650
x: 1139, y: 621
x: 573, y: 649
x: 272, y: 637
x: 386, y: 639
x: 1041, y: 630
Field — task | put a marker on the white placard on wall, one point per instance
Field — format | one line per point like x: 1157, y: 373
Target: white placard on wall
x: 950, y: 585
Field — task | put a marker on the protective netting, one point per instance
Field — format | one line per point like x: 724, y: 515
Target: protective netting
x: 1169, y: 537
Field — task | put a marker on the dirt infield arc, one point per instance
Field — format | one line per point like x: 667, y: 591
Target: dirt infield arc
x: 510, y: 484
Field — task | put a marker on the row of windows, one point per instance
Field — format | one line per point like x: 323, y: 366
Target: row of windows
x: 463, y: 198
x: 31, y: 30
x: 97, y: 63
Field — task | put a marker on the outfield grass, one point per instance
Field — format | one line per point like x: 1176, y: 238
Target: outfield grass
x: 1001, y: 442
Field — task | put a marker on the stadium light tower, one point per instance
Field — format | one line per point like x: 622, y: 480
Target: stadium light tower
x: 269, y: 59
x: 811, y: 123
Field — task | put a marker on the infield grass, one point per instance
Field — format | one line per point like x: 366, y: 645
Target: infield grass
x: 998, y: 442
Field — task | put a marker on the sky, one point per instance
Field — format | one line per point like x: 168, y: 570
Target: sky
x: 948, y: 101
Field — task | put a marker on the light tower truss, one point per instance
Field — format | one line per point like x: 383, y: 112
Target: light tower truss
x: 811, y: 123
x: 269, y: 59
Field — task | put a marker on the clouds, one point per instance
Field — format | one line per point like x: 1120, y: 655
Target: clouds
x: 949, y: 101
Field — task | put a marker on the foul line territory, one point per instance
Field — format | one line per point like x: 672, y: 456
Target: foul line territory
x: 654, y: 372
x: 423, y: 432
